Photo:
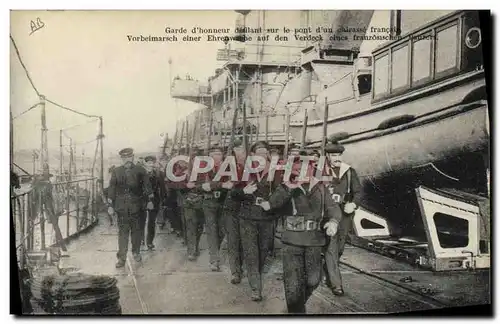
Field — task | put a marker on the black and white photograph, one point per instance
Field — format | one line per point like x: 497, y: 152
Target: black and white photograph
x: 250, y: 162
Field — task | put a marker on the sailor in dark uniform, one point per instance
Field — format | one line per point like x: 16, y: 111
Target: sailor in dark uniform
x: 128, y: 186
x: 175, y: 192
x: 44, y: 200
x: 309, y: 212
x: 344, y: 189
x: 14, y: 181
x: 157, y: 181
x: 193, y: 212
x: 256, y: 227
x: 161, y: 218
x: 214, y: 196
x: 231, y: 214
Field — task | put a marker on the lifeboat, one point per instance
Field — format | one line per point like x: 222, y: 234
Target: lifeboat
x: 413, y: 113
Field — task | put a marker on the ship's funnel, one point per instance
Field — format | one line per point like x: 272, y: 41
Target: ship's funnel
x: 341, y: 26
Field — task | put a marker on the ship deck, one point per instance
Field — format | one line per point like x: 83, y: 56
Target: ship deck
x: 165, y: 282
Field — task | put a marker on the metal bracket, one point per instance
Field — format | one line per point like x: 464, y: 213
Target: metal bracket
x: 362, y: 216
x: 442, y: 257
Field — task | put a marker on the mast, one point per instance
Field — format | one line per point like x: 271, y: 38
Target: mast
x: 304, y: 129
x: 210, y: 122
x: 61, y: 152
x: 176, y: 135
x: 245, y: 138
x: 235, y: 119
x: 101, y: 145
x: 165, y: 142
x: 188, y: 139
x: 11, y: 140
x: 44, y: 146
x: 182, y: 133
x: 287, y: 132
x: 325, y: 121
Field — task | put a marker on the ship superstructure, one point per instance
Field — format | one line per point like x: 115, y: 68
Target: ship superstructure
x: 404, y: 91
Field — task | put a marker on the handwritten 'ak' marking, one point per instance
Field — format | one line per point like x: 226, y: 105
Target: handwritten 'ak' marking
x: 36, y: 25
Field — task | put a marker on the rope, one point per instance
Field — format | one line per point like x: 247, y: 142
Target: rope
x: 24, y: 66
x: 36, y: 90
x: 82, y: 143
x: 32, y: 107
x: 338, y: 80
x: 69, y: 109
x: 77, y: 125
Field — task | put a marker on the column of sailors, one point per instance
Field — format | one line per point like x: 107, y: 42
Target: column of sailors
x: 243, y: 216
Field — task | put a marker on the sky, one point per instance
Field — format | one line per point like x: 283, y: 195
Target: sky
x: 83, y: 60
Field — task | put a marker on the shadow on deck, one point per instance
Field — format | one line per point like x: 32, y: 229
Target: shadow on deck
x: 165, y: 282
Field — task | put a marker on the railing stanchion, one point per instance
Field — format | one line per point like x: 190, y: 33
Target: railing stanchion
x: 77, y: 206
x: 68, y: 195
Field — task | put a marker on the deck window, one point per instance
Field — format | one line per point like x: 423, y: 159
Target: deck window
x: 421, y: 60
x: 399, y: 71
x: 446, y: 49
x: 364, y: 84
x: 381, y: 75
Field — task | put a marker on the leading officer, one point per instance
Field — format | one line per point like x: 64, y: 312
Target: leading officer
x: 128, y: 186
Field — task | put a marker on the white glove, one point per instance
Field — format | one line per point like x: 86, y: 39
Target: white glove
x: 349, y: 207
x: 265, y: 205
x: 227, y: 185
x: 331, y: 228
x: 111, y: 211
x: 250, y: 189
x: 206, y: 186
x: 190, y: 185
x: 150, y: 206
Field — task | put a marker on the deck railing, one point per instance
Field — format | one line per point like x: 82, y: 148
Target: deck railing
x: 74, y: 205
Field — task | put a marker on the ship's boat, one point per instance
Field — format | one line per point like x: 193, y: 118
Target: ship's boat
x: 414, y: 113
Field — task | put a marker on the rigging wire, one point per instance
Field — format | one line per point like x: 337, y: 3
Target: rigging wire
x: 77, y: 143
x: 69, y: 109
x: 81, y: 124
x: 35, y: 88
x: 24, y: 66
x: 29, y: 109
x: 85, y: 143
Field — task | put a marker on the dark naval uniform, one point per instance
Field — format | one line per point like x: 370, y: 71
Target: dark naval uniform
x: 44, y: 200
x: 344, y: 188
x: 193, y: 216
x: 212, y: 209
x: 231, y: 214
x: 128, y: 186
x: 306, y: 210
x: 256, y: 226
x: 175, y: 198
x: 157, y: 180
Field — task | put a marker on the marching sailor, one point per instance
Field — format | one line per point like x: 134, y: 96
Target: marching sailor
x: 157, y: 181
x: 231, y: 214
x: 193, y: 212
x: 256, y: 227
x: 344, y: 189
x: 309, y: 211
x: 175, y: 197
x: 128, y: 186
x: 214, y: 196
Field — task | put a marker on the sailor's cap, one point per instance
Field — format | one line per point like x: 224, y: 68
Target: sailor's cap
x: 259, y: 144
x: 237, y: 142
x: 215, y: 148
x: 334, y: 147
x: 126, y: 152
